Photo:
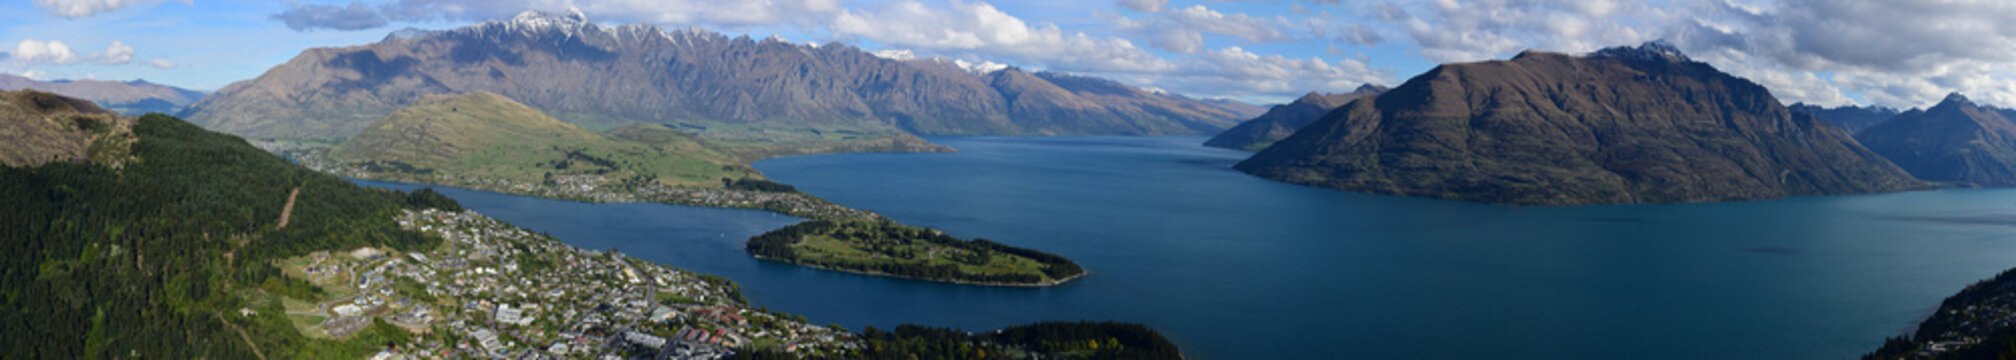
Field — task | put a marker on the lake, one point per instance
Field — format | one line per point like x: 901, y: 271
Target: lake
x: 1231, y: 266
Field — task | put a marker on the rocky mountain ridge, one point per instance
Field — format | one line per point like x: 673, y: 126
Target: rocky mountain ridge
x: 771, y: 95
x: 1956, y: 141
x: 1623, y: 125
x: 1282, y: 120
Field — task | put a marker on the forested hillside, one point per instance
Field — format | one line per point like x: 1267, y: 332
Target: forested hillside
x: 170, y: 255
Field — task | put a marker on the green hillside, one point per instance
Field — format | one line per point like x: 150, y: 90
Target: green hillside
x: 170, y: 255
x: 487, y: 136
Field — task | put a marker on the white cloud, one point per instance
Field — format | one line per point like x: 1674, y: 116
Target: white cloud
x: 117, y: 54
x: 1449, y: 31
x: 978, y: 27
x: 1891, y: 53
x: 305, y: 17
x: 717, y: 13
x: 161, y: 63
x: 664, y: 12
x: 34, y: 52
x: 1144, y: 5
x: 82, y: 8
x: 1182, y: 30
x: 1236, y: 68
x: 73, y: 9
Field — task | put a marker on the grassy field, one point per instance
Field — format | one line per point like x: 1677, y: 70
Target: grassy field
x: 482, y: 135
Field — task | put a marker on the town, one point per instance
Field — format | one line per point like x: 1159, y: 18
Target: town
x: 491, y: 290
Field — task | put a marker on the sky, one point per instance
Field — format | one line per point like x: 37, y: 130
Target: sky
x: 1900, y: 54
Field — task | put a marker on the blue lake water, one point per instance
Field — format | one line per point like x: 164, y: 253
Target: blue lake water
x: 1231, y: 266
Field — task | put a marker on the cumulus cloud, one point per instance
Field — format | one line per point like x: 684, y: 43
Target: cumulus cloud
x: 1182, y: 30
x: 978, y: 27
x: 1144, y: 5
x: 717, y: 13
x: 161, y: 63
x: 1451, y: 31
x: 117, y: 54
x: 1236, y: 68
x: 307, y: 17
x: 1891, y: 53
x: 82, y: 8
x: 35, y: 52
x: 973, y: 30
x: 1900, y: 54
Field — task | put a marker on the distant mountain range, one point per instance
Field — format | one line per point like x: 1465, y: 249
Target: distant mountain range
x: 767, y: 97
x: 1282, y: 120
x: 1956, y: 141
x: 125, y: 97
x: 1850, y: 118
x: 1621, y: 125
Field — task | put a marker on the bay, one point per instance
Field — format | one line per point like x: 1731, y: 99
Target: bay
x: 1231, y: 266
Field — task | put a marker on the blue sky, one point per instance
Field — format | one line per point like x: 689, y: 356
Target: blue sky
x: 1894, y: 53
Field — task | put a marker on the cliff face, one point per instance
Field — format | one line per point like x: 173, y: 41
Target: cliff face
x: 739, y: 90
x: 1955, y: 141
x: 1282, y: 120
x: 1622, y: 125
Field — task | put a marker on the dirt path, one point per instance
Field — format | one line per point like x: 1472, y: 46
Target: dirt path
x: 242, y: 334
x: 288, y: 210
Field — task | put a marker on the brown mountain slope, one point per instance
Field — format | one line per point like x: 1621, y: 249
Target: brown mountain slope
x: 1623, y: 125
x: 744, y: 93
x: 38, y: 127
x: 1283, y: 120
x: 1955, y: 141
x: 487, y: 136
x: 125, y: 97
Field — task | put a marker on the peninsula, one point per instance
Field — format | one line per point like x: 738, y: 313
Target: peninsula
x: 489, y: 142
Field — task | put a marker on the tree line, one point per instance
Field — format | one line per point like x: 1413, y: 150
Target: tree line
x: 886, y: 237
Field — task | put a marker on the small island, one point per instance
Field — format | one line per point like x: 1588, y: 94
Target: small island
x: 883, y: 247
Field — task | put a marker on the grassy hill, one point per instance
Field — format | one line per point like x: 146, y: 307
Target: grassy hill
x: 165, y: 252
x: 488, y: 136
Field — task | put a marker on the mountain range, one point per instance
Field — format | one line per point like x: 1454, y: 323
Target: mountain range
x: 1639, y: 124
x: 1955, y: 141
x: 125, y: 97
x: 1849, y: 118
x: 1282, y: 120
x: 766, y: 97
